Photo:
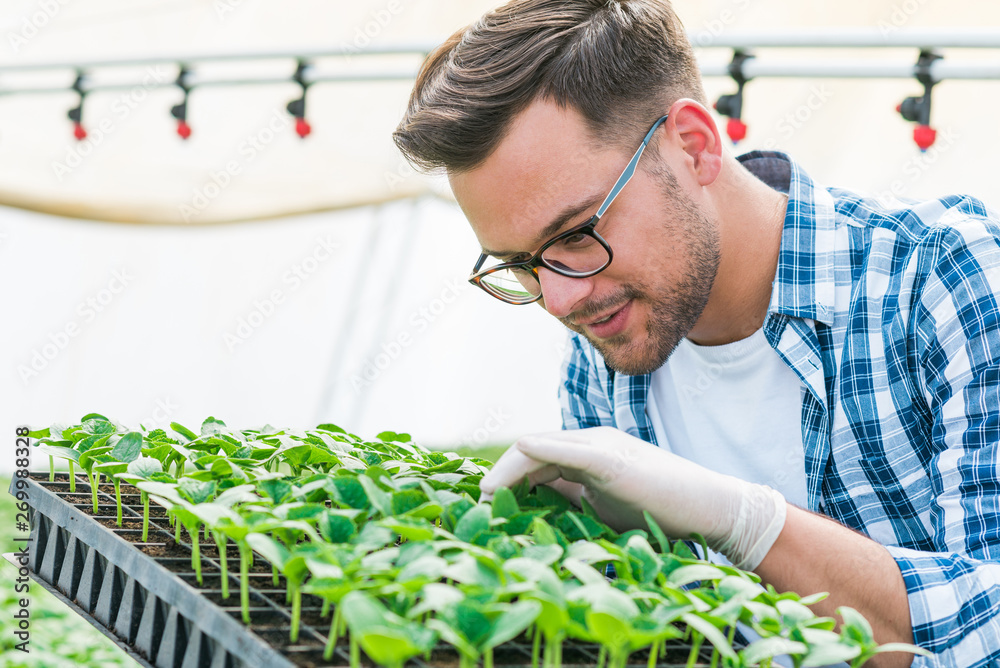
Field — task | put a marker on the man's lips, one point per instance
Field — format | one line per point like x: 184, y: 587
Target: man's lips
x: 610, y: 323
x: 597, y: 319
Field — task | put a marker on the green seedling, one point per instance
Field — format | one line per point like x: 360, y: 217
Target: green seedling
x: 548, y: 591
x: 144, y: 469
x: 125, y: 451
x: 858, y: 631
x: 392, y: 538
x: 329, y: 581
x: 474, y: 628
x: 218, y: 515
x: 54, y: 451
x: 89, y: 459
x: 387, y: 638
x: 292, y: 565
x: 238, y: 528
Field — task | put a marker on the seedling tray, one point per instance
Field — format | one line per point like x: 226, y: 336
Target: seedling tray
x: 146, y: 597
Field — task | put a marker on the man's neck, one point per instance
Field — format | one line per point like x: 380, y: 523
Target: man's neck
x: 751, y: 220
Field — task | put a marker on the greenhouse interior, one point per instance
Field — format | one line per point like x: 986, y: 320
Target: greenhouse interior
x: 761, y: 429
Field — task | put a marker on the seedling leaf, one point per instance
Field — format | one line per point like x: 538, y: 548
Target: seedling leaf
x: 276, y: 489
x: 269, y: 548
x: 685, y: 575
x: 336, y: 527
x: 829, y: 654
x: 475, y: 520
x: 128, y: 448
x: 766, y: 648
x: 378, y: 497
x: 855, y: 626
x: 512, y: 622
x: 657, y: 532
x: 212, y: 426
x: 144, y: 467
x: 183, y: 431
x: 347, y: 491
x: 711, y: 633
x: 196, y: 491
x: 60, y: 451
x: 504, y: 503
x: 409, y: 528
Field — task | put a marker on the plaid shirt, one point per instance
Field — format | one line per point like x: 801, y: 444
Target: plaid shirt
x: 888, y: 312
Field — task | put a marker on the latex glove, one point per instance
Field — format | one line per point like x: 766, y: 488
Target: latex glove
x: 620, y: 476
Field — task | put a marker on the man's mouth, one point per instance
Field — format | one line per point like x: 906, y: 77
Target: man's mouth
x: 609, y: 324
x: 598, y: 321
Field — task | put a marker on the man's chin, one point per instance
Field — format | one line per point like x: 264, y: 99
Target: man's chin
x: 638, y: 349
x: 628, y: 358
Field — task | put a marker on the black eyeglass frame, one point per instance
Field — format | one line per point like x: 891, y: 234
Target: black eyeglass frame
x: 586, y: 227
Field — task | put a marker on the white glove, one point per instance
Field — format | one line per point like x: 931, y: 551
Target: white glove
x: 620, y: 476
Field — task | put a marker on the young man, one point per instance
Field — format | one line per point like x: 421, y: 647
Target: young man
x: 819, y: 369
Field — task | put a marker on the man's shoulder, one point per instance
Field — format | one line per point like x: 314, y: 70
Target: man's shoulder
x: 895, y: 252
x: 912, y: 219
x: 859, y: 219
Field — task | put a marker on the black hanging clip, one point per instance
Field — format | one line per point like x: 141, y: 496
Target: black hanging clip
x: 179, y: 111
x: 297, y: 107
x: 731, y: 105
x: 76, y: 113
x: 918, y: 109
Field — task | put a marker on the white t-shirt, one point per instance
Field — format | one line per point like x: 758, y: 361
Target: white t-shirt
x: 735, y: 409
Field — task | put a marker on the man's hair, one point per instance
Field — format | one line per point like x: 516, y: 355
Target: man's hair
x: 620, y: 63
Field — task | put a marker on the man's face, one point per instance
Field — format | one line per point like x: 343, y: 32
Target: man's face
x: 545, y: 172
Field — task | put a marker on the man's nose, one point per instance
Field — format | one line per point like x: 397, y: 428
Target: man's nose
x: 561, y: 295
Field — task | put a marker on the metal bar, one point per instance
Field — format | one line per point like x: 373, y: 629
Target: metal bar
x: 856, y: 69
x: 881, y: 37
x: 728, y: 39
x: 887, y: 35
x: 194, y: 81
x: 752, y: 69
x: 347, y: 52
x: 403, y: 75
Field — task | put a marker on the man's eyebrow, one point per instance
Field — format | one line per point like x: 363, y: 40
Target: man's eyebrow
x: 566, y: 215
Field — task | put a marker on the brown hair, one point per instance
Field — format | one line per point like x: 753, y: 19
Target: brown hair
x: 620, y: 63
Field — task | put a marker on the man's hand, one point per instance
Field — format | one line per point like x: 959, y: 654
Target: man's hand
x: 620, y: 476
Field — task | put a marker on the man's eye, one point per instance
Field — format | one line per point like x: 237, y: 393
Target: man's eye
x: 577, y: 240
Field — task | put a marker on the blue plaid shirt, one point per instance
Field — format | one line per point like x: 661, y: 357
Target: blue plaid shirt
x: 888, y: 312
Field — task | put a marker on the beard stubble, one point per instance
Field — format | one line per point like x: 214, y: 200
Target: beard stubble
x: 673, y: 309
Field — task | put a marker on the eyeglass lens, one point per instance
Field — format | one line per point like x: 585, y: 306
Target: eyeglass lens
x: 577, y: 255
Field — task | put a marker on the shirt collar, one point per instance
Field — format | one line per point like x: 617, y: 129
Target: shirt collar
x: 804, y: 284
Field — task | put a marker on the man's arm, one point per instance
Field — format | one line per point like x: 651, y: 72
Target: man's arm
x: 953, y: 585
x: 794, y: 550
x: 855, y: 570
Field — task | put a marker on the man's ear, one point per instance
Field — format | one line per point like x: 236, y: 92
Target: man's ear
x: 693, y: 130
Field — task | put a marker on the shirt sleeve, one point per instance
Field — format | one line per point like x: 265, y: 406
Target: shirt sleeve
x: 582, y: 391
x: 954, y: 592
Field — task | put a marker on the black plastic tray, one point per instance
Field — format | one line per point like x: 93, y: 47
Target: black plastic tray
x: 164, y: 620
x: 161, y: 617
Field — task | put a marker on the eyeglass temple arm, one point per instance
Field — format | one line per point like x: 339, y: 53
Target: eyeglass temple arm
x: 629, y: 169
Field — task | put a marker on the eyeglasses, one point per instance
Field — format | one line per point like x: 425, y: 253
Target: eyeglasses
x: 577, y: 253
